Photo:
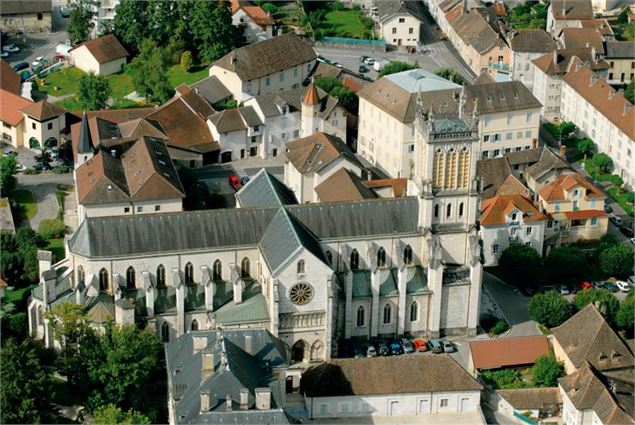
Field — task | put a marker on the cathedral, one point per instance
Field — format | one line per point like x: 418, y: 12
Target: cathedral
x: 314, y: 275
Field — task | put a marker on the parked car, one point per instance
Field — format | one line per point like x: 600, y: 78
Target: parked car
x: 65, y: 11
x: 41, y: 167
x: 395, y: 348
x: 4, y: 55
x: 371, y: 352
x: 20, y: 66
x: 362, y: 69
x: 627, y: 231
x: 448, y: 347
x: 598, y: 285
x: 10, y: 153
x: 382, y: 348
x: 529, y: 289
x: 20, y: 167
x: 633, y: 241
x: 407, y: 346
x: 608, y: 209
x: 234, y: 182
x: 585, y: 285
x: 357, y: 353
x: 37, y: 62
x: 420, y: 344
x: 623, y: 286
x: 564, y: 289
x: 616, y: 220
x: 611, y: 287
x: 321, y: 58
x: 362, y: 58
x: 244, y: 180
x: 435, y: 346
x: 10, y: 48
x: 369, y: 61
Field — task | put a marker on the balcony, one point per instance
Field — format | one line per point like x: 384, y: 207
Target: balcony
x: 499, y: 66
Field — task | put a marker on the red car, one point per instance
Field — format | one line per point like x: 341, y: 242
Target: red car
x: 585, y: 285
x: 234, y: 181
x: 420, y: 344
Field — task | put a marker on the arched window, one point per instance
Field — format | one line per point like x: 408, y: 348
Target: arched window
x: 130, y: 278
x: 80, y: 275
x: 450, y: 169
x: 461, y: 206
x: 194, y: 325
x: 301, y: 267
x: 354, y: 260
x: 160, y: 276
x: 414, y: 311
x: 448, y: 211
x: 217, y: 270
x: 165, y: 332
x: 464, y: 167
x: 360, y: 316
x: 103, y: 280
x: 329, y: 257
x: 407, y: 255
x: 387, y: 314
x: 245, y: 266
x: 436, y: 211
x: 438, y: 168
x: 381, y: 257
x: 38, y: 315
x: 189, y: 273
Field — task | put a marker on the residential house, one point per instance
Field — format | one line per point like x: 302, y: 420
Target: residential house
x: 226, y: 376
x: 350, y: 79
x: 480, y: 45
x: 586, y: 338
x: 384, y: 387
x: 601, y: 6
x: 545, y: 167
x: 400, y: 22
x: 567, y: 14
x: 576, y: 206
x: 254, y: 23
x: 387, y: 110
x: 621, y: 57
x: 238, y: 132
x: 508, y: 219
x: 26, y: 17
x: 527, y: 45
x: 600, y: 24
x: 290, y: 114
x: 280, y: 63
x: 313, y: 159
x: 210, y: 89
x: 580, y: 38
x: 500, y: 353
x: 43, y: 124
x: 587, y: 398
x: 102, y: 56
x: 537, y: 403
x: 602, y: 114
x: 10, y: 80
x: 12, y: 119
x: 549, y: 71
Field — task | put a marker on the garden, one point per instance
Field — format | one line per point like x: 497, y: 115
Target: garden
x: 544, y: 373
x: 530, y: 15
x: 332, y: 19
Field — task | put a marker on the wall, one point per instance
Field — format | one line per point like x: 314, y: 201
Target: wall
x: 13, y: 135
x: 41, y: 132
x: 501, y: 235
x: 401, y: 30
x: 547, y: 90
x: 28, y: 23
x: 514, y: 130
x: 147, y: 207
x: 378, y: 405
x: 84, y: 60
x: 523, y: 69
x: 621, y: 71
x: 112, y: 67
x: 252, y: 31
x: 454, y: 306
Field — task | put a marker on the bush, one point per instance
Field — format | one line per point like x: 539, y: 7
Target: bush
x: 186, y: 60
x: 62, y: 169
x: 336, y: 6
x: 500, y: 327
x: 617, y: 260
x: 504, y: 378
x: 625, y: 318
x: 51, y: 228
x: 550, y: 309
x: 396, y: 66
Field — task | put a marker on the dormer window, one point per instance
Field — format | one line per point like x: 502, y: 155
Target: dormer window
x: 256, y: 128
x: 576, y: 192
x: 514, y: 216
x: 284, y: 109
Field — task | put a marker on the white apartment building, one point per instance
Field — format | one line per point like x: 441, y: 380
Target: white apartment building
x: 527, y: 45
x: 400, y: 22
x: 602, y: 114
x: 567, y: 14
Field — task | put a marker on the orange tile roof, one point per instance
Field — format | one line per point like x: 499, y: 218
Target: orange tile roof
x: 492, y: 354
x: 399, y: 186
x: 105, y: 49
x: 580, y: 215
x: 608, y: 102
x: 511, y: 185
x: 256, y: 13
x: 43, y: 110
x: 496, y: 209
x: 9, y: 79
x: 554, y: 191
x: 351, y: 84
x: 10, y: 106
x: 311, y: 96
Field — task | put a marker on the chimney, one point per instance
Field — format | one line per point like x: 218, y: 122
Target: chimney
x: 238, y: 291
x: 612, y: 94
x: 244, y: 399
x: 234, y: 60
x: 555, y: 57
x: 563, y: 151
x: 45, y: 260
x: 48, y: 281
x: 593, y: 53
x: 207, y: 365
x: 587, y: 45
x: 198, y: 343
x: 196, y: 89
x: 228, y: 402
x: 534, y: 143
x: 248, y: 345
x: 263, y: 398
x: 627, y: 107
x: 206, y: 401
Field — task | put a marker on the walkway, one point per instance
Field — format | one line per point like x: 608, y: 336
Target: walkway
x: 46, y: 203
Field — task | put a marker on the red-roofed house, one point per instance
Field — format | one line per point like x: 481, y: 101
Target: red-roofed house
x: 577, y: 208
x: 508, y: 219
x: 11, y: 119
x: 507, y: 352
x: 255, y: 23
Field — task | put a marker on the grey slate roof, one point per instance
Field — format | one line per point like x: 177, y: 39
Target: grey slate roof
x: 284, y: 237
x: 205, y: 230
x: 387, y: 282
x: 85, y: 140
x: 493, y: 173
x: 620, y: 50
x: 548, y: 161
x: 269, y: 103
x: 533, y: 41
x: 500, y: 97
x: 211, y: 89
x: 388, y: 8
x: 252, y: 309
x: 265, y: 190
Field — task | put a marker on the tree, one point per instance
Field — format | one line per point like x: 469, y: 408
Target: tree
x: 163, y: 18
x: 521, y: 263
x: 24, y: 393
x: 8, y: 169
x: 585, y: 147
x: 625, y: 317
x: 186, y: 60
x: 150, y: 73
x: 618, y: 182
x: 395, y: 66
x: 131, y: 23
x: 617, y: 260
x: 44, y: 159
x: 18, y: 256
x: 546, y: 371
x: 450, y: 75
x: 550, y: 308
x: 66, y: 152
x: 94, y: 91
x: 82, y: 12
x: 111, y: 414
x: 270, y: 8
x: 606, y: 302
x: 212, y: 28
x: 603, y: 162
x: 565, y: 263
x: 346, y: 97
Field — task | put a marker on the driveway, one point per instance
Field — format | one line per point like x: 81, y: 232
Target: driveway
x: 513, y: 304
x: 46, y: 202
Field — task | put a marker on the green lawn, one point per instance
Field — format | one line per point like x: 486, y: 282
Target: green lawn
x: 16, y: 295
x: 177, y: 75
x: 26, y: 202
x: 56, y: 246
x: 346, y: 23
x: 621, y: 199
x: 61, y: 82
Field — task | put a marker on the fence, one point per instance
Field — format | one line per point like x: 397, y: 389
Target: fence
x: 354, y: 42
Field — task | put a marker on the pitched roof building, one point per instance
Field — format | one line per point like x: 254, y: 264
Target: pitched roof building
x: 507, y: 352
x: 10, y: 80
x: 103, y: 56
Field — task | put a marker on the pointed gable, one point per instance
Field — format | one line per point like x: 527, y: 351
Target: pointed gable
x: 265, y: 190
